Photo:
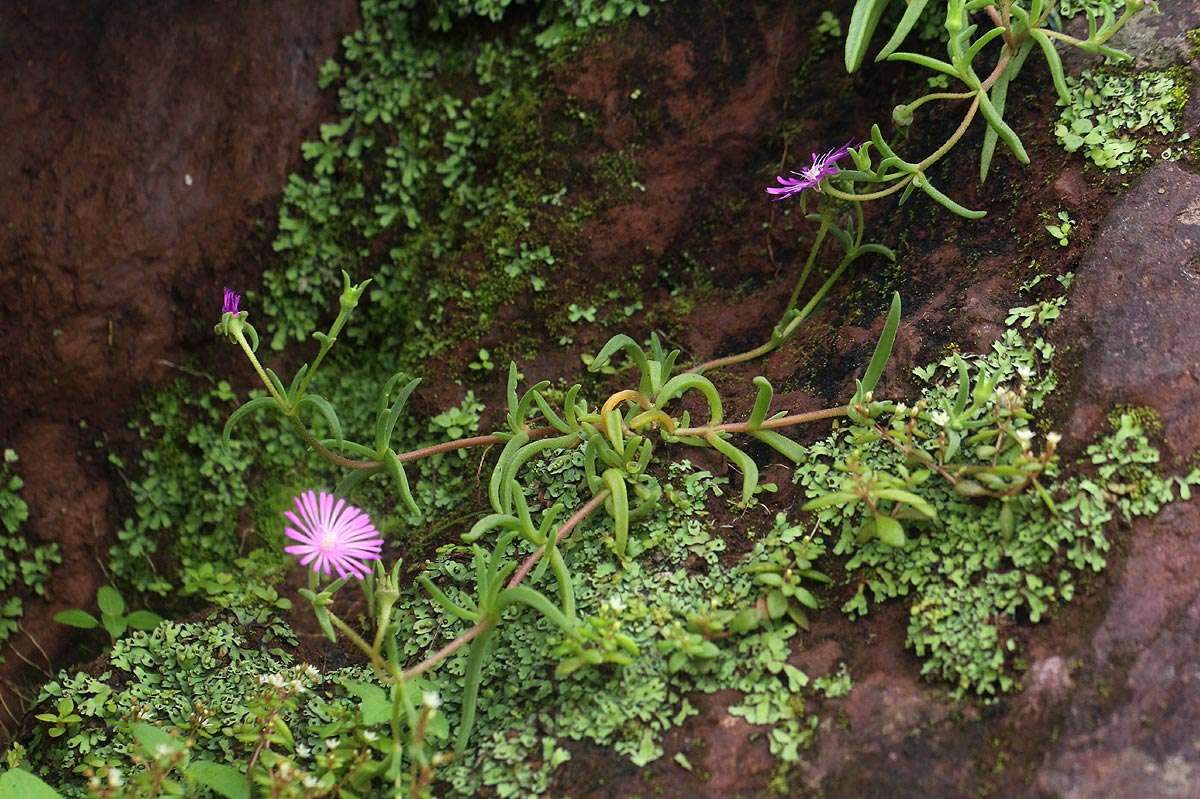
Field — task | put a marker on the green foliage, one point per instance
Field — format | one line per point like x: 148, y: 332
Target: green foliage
x: 24, y: 569
x: 113, y: 617
x: 946, y: 502
x: 1061, y: 230
x: 199, y: 677
x: 1073, y: 8
x: 1108, y: 114
x: 438, y: 136
x: 191, y: 488
x: 977, y: 570
x: 1014, y: 27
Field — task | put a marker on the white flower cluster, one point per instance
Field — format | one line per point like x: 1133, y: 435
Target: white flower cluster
x: 296, y: 682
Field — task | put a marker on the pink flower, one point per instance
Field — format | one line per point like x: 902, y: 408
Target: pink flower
x: 332, y: 533
x: 822, y: 166
x: 232, y: 298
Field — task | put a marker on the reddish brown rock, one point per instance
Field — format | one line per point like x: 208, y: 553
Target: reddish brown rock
x: 142, y: 144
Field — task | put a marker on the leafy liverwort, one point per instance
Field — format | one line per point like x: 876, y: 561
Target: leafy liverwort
x: 332, y: 533
x: 822, y: 166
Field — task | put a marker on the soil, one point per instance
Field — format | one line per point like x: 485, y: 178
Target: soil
x: 110, y: 254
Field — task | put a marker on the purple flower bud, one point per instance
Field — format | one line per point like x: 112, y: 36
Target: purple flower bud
x: 232, y: 298
x: 822, y: 166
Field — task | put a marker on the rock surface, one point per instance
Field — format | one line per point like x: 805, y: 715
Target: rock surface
x: 143, y: 142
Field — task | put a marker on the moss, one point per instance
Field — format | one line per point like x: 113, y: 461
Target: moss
x: 1144, y: 416
x: 1193, y: 38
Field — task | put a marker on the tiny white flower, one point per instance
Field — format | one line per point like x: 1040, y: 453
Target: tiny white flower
x: 1054, y: 438
x: 302, y: 750
x: 1025, y: 372
x: 431, y: 700
x: 187, y: 180
x: 331, y: 744
x: 940, y: 418
x: 616, y: 603
x: 115, y: 779
x: 1025, y: 435
x: 310, y: 781
x: 369, y: 736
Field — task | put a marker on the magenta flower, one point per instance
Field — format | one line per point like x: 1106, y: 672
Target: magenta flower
x: 232, y: 298
x: 332, y: 533
x: 822, y: 166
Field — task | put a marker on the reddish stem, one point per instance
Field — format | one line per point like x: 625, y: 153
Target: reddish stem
x: 521, y: 573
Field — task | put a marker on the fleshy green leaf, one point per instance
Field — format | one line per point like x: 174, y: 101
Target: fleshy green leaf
x: 326, y: 410
x: 619, y: 502
x: 925, y: 61
x: 77, y: 618
x: 255, y: 404
x: 376, y: 707
x: 911, y: 15
x: 995, y: 120
x: 863, y: 21
x: 921, y: 182
x: 1054, y: 62
x: 153, y: 739
x: 883, y: 348
x: 116, y: 625
x: 744, y: 462
x: 889, y: 531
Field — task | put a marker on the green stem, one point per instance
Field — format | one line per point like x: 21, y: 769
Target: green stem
x: 928, y: 98
x: 741, y: 357
x: 936, y: 155
x: 955, y: 137
x: 808, y: 263
x: 328, y: 454
x: 811, y: 305
x: 485, y: 623
x: 381, y: 665
x: 776, y: 341
x: 284, y: 405
x: 829, y: 189
x: 1115, y: 29
x: 326, y: 346
x: 566, y: 590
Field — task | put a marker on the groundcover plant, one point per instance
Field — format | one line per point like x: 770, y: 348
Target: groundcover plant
x: 592, y: 596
